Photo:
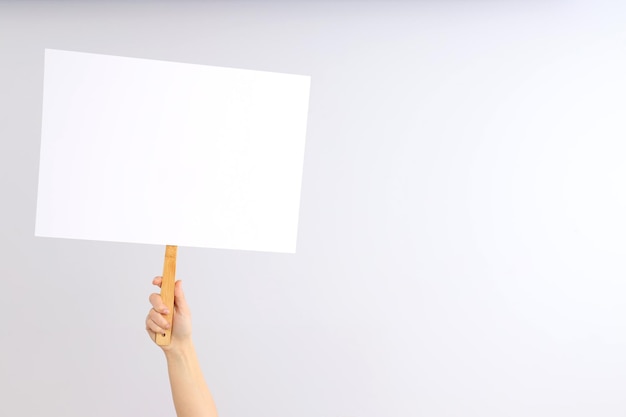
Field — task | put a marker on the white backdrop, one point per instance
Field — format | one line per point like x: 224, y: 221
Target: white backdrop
x: 462, y: 231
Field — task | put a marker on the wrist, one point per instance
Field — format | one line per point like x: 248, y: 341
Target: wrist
x: 179, y: 349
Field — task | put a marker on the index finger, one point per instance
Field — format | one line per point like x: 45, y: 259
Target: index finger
x: 157, y: 281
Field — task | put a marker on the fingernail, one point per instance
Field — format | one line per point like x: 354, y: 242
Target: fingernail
x: 166, y: 311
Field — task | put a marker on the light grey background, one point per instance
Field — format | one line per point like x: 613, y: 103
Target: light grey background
x: 462, y: 231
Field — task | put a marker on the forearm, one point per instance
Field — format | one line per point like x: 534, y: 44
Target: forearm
x: 191, y: 395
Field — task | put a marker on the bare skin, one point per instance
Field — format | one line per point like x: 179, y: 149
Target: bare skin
x: 190, y: 393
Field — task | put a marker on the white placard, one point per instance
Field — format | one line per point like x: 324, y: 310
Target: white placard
x: 145, y: 151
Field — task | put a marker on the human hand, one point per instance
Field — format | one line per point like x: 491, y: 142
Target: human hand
x: 181, y: 320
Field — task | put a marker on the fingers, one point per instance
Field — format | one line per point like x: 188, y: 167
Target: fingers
x: 158, y: 304
x: 152, y: 330
x: 156, y: 323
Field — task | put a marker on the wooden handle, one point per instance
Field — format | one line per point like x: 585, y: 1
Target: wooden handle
x: 167, y: 291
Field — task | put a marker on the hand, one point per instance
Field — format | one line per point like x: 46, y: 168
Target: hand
x: 157, y: 323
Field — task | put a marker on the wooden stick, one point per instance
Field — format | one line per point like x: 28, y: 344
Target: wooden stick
x: 167, y: 291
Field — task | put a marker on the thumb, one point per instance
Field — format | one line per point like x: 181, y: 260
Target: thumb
x: 179, y: 298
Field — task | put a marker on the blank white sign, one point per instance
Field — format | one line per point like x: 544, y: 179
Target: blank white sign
x: 145, y: 151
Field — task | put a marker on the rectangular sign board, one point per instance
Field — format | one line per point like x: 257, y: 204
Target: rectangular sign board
x: 146, y: 151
